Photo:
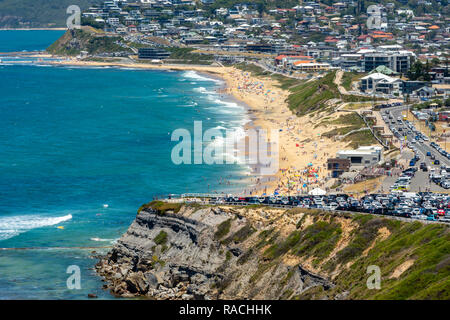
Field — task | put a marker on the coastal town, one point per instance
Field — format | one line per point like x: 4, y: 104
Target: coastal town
x: 358, y: 92
x: 387, y: 64
x: 225, y: 150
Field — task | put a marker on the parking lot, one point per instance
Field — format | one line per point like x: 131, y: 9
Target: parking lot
x: 430, y: 161
x: 424, y: 206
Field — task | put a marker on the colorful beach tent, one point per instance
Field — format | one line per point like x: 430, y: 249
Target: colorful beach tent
x: 317, y: 192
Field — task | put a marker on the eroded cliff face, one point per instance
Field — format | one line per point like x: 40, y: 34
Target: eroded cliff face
x: 198, y: 253
x: 202, y: 252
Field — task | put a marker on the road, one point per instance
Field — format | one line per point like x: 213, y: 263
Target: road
x: 421, y: 180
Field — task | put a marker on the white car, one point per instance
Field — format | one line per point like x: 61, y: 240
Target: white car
x: 445, y: 219
x: 419, y: 216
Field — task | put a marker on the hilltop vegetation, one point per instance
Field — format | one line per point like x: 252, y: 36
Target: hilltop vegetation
x: 347, y: 123
x: 75, y: 41
x: 38, y: 13
x: 187, y: 56
x: 313, y: 95
x: 308, y: 96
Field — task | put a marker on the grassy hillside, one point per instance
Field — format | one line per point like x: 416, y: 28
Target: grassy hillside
x: 349, y: 77
x: 308, y: 96
x: 348, y: 123
x: 38, y: 13
x: 313, y: 95
x: 74, y: 41
x: 413, y: 257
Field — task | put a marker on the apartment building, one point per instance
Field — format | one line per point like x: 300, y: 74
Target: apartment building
x: 399, y: 61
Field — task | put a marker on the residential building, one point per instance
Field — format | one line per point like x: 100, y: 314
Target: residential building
x: 399, y: 62
x: 381, y: 83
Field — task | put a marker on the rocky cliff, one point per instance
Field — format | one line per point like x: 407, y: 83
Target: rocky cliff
x: 201, y: 252
x: 72, y: 42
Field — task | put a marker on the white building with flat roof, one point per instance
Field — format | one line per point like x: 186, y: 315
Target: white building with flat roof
x: 363, y: 156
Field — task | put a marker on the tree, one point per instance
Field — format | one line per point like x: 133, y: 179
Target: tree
x: 419, y: 71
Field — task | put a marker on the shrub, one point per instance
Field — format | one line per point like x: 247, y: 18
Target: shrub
x: 222, y: 229
x: 161, y: 238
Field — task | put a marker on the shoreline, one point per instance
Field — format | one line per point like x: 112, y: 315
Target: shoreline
x: 256, y: 183
x: 303, y: 151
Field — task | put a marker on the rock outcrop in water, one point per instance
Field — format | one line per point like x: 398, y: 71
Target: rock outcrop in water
x: 193, y: 252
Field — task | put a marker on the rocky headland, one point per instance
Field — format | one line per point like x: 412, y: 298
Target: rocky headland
x: 175, y: 251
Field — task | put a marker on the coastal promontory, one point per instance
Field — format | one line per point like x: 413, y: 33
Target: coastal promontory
x: 192, y: 251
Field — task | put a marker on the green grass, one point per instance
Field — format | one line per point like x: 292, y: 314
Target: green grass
x: 361, y: 138
x: 75, y: 41
x: 222, y: 229
x: 278, y: 249
x: 262, y: 268
x: 312, y: 95
x: 352, y: 122
x: 161, y: 238
x: 267, y: 237
x: 161, y: 207
x: 316, y: 240
x: 187, y: 56
x: 349, y: 77
x: 240, y: 235
x: 427, y: 278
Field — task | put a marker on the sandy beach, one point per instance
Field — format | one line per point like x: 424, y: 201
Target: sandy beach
x: 303, y: 151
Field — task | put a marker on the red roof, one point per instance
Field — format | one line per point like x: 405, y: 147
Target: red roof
x: 281, y: 56
x: 363, y: 37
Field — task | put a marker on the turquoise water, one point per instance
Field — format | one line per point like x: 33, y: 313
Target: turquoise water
x: 30, y: 40
x: 75, y: 139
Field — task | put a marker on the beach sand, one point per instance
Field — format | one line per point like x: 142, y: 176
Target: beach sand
x: 303, y: 151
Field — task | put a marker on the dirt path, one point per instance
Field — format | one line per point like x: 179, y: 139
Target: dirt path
x: 338, y: 82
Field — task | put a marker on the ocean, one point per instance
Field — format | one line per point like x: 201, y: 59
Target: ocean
x: 81, y: 149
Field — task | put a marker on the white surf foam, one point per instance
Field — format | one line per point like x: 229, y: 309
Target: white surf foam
x: 194, y: 75
x: 101, y: 239
x: 225, y: 145
x: 15, y: 225
x: 204, y: 91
